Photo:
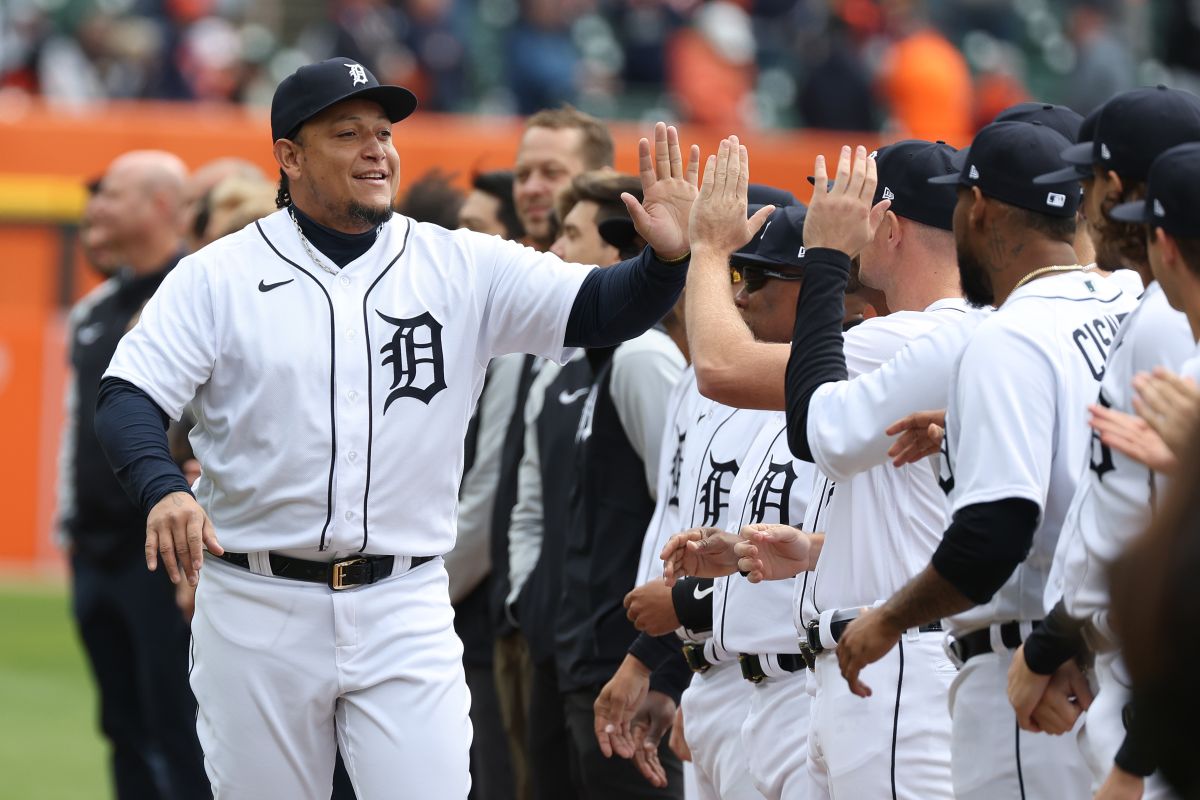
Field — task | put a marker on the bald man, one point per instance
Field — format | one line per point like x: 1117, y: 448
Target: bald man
x: 135, y: 636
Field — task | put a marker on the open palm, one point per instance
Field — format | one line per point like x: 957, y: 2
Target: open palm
x: 668, y: 191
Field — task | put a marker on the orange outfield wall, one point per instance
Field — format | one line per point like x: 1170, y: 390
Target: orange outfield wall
x: 46, y: 155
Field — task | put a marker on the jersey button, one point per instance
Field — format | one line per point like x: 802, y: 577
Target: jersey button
x: 350, y: 333
x: 352, y: 455
x: 349, y: 515
x: 351, y: 395
x: 345, y: 281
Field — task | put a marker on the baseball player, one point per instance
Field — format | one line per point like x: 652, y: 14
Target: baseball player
x: 1031, y: 366
x: 1115, y: 491
x: 332, y: 354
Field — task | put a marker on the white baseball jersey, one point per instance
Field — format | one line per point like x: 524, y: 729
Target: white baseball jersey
x: 1191, y: 366
x: 1016, y: 424
x: 772, y: 487
x: 1116, y: 494
x: 881, y: 524
x: 847, y: 419
x: 331, y: 409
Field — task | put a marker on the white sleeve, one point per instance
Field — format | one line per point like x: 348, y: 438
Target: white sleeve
x: 847, y: 419
x: 644, y: 373
x: 1005, y: 403
x: 529, y: 300
x: 526, y: 529
x: 171, y: 351
x: 469, y: 561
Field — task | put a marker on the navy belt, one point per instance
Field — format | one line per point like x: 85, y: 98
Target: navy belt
x: 345, y: 573
x: 978, y: 642
x: 811, y: 647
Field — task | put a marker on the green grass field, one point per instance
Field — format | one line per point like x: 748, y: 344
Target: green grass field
x: 50, y: 746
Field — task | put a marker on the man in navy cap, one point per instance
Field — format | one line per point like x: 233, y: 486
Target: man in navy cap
x: 1013, y: 441
x: 332, y: 354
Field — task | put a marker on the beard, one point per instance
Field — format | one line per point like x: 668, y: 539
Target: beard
x: 853, y: 281
x: 976, y: 285
x: 371, y: 215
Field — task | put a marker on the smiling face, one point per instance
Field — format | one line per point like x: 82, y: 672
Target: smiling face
x: 546, y: 162
x: 342, y: 168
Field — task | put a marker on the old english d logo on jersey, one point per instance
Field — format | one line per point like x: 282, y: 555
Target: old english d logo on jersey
x: 415, y: 353
x: 945, y: 470
x: 713, y: 494
x: 773, y: 490
x: 676, y: 468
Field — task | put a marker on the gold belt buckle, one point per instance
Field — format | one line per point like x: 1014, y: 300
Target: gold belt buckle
x: 337, y: 578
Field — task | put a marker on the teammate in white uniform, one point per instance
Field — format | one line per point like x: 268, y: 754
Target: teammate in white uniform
x: 1115, y: 493
x: 331, y: 403
x: 1031, y: 366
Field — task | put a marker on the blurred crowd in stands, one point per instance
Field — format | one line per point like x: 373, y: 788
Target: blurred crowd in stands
x: 902, y: 65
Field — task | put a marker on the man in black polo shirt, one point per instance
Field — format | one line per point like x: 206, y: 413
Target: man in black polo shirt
x: 135, y: 636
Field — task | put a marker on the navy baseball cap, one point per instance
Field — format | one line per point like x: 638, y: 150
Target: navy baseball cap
x: 1004, y: 159
x: 1172, y: 194
x: 1059, y: 118
x: 904, y: 170
x: 315, y: 87
x: 1132, y: 129
x: 779, y: 244
x: 759, y: 194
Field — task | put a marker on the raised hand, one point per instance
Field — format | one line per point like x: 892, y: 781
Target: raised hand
x: 919, y: 436
x: 773, y: 552
x: 718, y: 219
x: 841, y: 217
x: 668, y: 192
x: 178, y: 531
x: 699, y: 552
x: 616, y: 706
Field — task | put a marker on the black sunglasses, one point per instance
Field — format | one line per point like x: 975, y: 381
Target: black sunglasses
x: 756, y: 278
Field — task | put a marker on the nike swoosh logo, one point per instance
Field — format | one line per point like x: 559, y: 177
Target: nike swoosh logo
x: 700, y: 595
x: 266, y: 287
x: 566, y: 398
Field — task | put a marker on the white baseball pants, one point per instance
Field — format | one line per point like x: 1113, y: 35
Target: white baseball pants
x: 893, y: 744
x: 285, y: 671
x: 775, y: 736
x: 715, y: 705
x: 992, y: 758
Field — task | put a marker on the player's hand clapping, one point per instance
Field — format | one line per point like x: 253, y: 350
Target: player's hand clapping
x: 718, y: 219
x: 661, y: 218
x: 841, y: 217
x: 774, y: 552
x: 700, y: 553
x: 178, y: 531
x: 1067, y: 696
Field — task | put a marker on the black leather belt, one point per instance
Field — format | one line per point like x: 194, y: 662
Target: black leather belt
x: 345, y: 573
x: 752, y: 669
x: 693, y: 654
x: 811, y: 647
x: 978, y: 642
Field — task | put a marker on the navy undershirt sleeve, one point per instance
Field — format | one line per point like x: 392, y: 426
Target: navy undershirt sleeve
x: 654, y: 651
x: 1137, y: 752
x: 623, y: 301
x: 672, y: 677
x: 1057, y: 640
x: 132, y: 430
x: 984, y: 545
x: 817, y: 356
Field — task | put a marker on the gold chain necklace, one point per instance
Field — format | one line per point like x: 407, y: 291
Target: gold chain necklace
x: 1037, y: 273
